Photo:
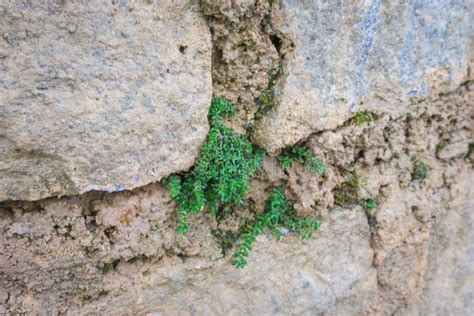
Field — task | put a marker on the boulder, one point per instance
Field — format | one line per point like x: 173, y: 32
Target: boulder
x: 99, y: 95
x: 374, y: 56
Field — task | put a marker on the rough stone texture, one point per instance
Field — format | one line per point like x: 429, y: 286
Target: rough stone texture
x: 373, y: 55
x: 450, y: 276
x: 118, y: 253
x: 305, y: 278
x: 244, y: 55
x: 101, y: 95
x: 59, y: 242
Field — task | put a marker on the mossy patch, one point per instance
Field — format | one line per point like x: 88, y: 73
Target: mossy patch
x: 266, y: 100
x: 347, y: 193
x: 106, y: 267
x: 361, y: 117
x: 420, y: 170
x: 301, y: 154
x: 470, y: 151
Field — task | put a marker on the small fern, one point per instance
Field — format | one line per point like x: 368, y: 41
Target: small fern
x: 278, y: 213
x: 220, y: 175
x: 302, y: 155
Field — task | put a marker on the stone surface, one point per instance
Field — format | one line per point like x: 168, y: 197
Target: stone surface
x: 280, y: 280
x: 374, y: 55
x: 60, y: 240
x: 119, y: 253
x: 101, y: 95
x: 450, y: 275
x: 244, y: 56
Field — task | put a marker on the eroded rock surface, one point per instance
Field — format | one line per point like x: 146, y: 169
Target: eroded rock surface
x: 410, y: 253
x: 119, y: 253
x: 375, y: 56
x: 99, y: 95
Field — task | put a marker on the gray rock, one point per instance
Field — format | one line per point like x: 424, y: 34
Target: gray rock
x: 374, y: 56
x: 99, y: 95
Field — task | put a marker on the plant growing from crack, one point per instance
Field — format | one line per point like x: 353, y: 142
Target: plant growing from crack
x: 348, y: 192
x: 220, y: 179
x: 361, y: 117
x: 222, y: 170
x: 266, y: 98
x: 278, y: 213
x: 301, y: 154
x: 420, y: 170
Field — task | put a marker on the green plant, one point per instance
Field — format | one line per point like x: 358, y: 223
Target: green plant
x: 361, y: 117
x: 278, y: 213
x: 470, y: 150
x: 225, y: 239
x: 348, y: 193
x: 221, y: 172
x: 370, y: 204
x: 420, y: 170
x: 439, y: 147
x: 266, y: 98
x: 302, y: 155
x: 106, y: 267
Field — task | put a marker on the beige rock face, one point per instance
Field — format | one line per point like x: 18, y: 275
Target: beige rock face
x: 75, y: 117
x: 99, y: 95
x: 375, y: 56
x: 118, y: 253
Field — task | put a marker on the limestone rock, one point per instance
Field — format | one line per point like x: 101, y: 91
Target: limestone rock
x: 99, y: 95
x: 374, y: 56
x: 280, y: 280
x: 119, y: 253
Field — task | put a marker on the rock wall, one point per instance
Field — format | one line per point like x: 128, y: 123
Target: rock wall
x: 100, y: 95
x: 99, y: 100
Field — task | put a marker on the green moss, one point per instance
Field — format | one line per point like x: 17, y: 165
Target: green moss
x: 360, y: 118
x: 106, y: 267
x: 439, y: 147
x: 278, y: 213
x: 348, y: 193
x: 470, y: 151
x: 301, y: 154
x: 267, y: 97
x: 222, y: 170
x: 420, y: 170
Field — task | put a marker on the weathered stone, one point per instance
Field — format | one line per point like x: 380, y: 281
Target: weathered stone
x: 375, y: 56
x: 303, y: 277
x: 244, y: 56
x: 119, y: 253
x: 450, y: 275
x: 99, y: 95
x: 282, y: 278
